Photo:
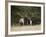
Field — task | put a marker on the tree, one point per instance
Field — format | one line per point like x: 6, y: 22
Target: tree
x: 25, y: 11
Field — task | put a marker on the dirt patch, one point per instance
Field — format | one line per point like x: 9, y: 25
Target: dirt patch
x: 26, y: 28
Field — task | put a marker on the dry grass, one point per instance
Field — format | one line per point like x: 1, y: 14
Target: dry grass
x: 26, y: 28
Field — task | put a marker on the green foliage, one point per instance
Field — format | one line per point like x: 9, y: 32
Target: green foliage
x: 24, y: 11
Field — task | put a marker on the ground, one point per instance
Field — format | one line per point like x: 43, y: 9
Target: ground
x: 26, y: 28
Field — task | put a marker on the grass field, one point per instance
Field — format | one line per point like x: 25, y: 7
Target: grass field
x: 26, y: 28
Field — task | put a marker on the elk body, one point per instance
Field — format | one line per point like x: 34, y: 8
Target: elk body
x: 25, y: 21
